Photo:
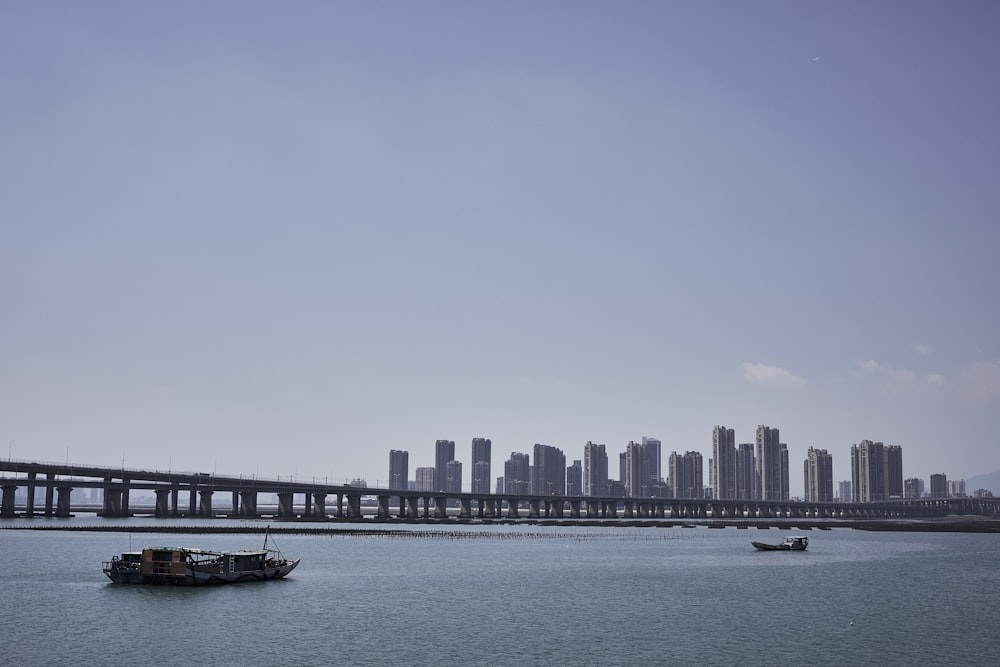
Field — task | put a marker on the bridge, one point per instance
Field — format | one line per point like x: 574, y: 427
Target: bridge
x: 308, y: 500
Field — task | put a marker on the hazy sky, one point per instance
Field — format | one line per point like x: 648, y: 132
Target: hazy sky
x: 285, y: 238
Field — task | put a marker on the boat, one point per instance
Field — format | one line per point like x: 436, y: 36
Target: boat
x: 185, y: 566
x: 794, y: 543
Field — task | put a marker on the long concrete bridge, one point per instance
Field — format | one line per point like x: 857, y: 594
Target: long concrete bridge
x: 309, y: 500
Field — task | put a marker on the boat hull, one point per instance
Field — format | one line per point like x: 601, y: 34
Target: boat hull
x: 196, y: 576
x: 760, y: 546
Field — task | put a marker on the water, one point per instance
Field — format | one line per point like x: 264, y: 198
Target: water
x: 517, y: 596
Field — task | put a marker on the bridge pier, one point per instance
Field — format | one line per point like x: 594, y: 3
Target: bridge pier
x: 512, y: 508
x: 466, y: 508
x: 112, y: 502
x: 440, y: 507
x: 29, y: 507
x: 162, y: 502
x: 248, y: 504
x: 49, y: 494
x: 7, y: 506
x: 354, y: 506
x: 534, y: 509
x: 174, y: 494
x: 319, y: 505
x: 285, y: 508
x: 64, y: 495
x: 412, y: 507
x: 205, y: 508
x: 574, y: 509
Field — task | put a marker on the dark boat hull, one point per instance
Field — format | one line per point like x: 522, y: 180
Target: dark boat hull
x: 778, y: 547
x: 197, y: 576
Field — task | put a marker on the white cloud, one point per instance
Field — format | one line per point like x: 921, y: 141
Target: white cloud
x: 771, y: 376
x: 921, y: 350
x: 898, y: 378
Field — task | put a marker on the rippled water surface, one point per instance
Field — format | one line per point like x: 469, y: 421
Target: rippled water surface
x: 518, y: 596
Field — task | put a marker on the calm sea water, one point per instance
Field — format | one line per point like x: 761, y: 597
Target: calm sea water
x: 517, y: 596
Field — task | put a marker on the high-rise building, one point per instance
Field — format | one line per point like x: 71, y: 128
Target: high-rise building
x: 652, y: 450
x: 772, y: 465
x: 939, y: 485
x: 481, y: 458
x: 399, y: 469
x: 876, y: 471
x: 913, y: 487
x: 722, y: 477
x: 444, y: 451
x: 595, y: 470
x: 845, y: 492
x: 453, y: 477
x: 686, y: 475
x: 636, y: 471
x: 956, y: 488
x: 425, y: 479
x: 894, y: 471
x: 517, y: 474
x: 574, y: 479
x: 548, y: 474
x: 745, y: 471
x: 818, y: 471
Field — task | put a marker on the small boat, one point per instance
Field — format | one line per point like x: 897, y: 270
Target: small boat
x: 184, y: 566
x: 795, y: 543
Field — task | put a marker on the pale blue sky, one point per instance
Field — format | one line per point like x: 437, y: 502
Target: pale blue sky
x: 288, y: 237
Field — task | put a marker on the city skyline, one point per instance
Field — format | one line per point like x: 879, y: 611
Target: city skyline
x: 876, y: 471
x: 242, y: 237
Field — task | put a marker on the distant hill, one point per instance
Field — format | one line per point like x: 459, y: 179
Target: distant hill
x: 989, y: 481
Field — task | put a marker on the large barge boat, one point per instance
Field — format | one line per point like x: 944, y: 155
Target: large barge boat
x: 185, y: 566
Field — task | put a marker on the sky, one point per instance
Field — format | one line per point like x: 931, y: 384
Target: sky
x: 285, y: 238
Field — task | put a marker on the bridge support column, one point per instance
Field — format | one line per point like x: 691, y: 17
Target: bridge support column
x: 557, y: 508
x: 593, y: 509
x: 440, y: 507
x: 383, y: 507
x: 193, y: 501
x: 534, y: 509
x: 162, y: 502
x: 63, y: 498
x: 412, y: 507
x: 205, y: 508
x: 29, y: 509
x: 174, y: 494
x: 574, y: 509
x: 629, y: 509
x: 49, y: 494
x: 466, y: 508
x: 354, y: 506
x: 7, y: 507
x: 285, y: 508
x: 234, y: 505
x: 248, y: 504
x: 319, y: 505
x: 512, y: 508
x: 112, y: 501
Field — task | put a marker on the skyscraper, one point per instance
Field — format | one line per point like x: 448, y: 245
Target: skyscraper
x: 595, y: 470
x: 399, y: 469
x: 654, y: 462
x: 939, y: 485
x: 517, y: 474
x: 548, y: 475
x: 745, y: 471
x: 772, y: 465
x: 876, y: 471
x: 686, y: 475
x: 574, y: 479
x: 636, y: 471
x: 481, y: 458
x: 425, y: 479
x: 723, y: 469
x: 444, y: 451
x: 818, y: 472
x: 453, y: 477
